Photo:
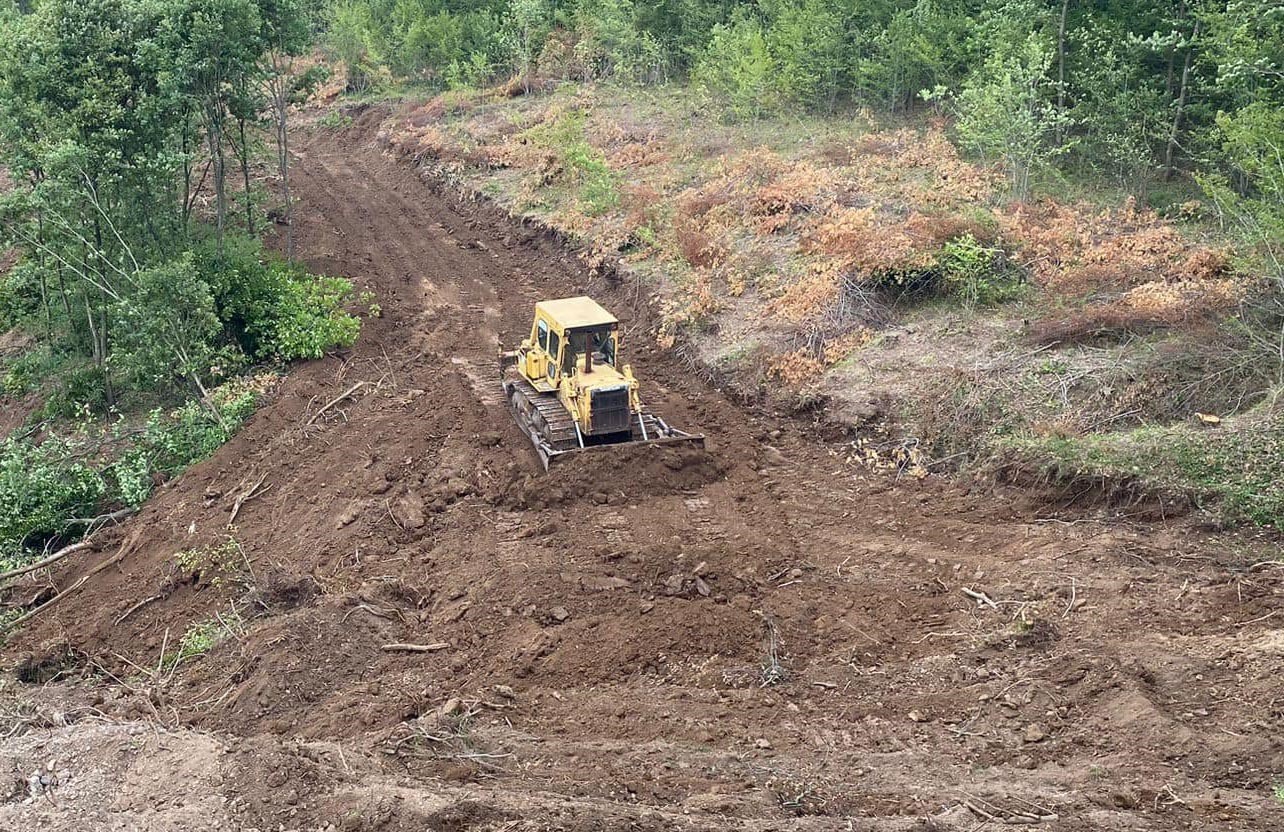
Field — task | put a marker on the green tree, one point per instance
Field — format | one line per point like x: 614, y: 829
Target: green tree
x: 351, y: 35
x: 1120, y: 106
x: 807, y: 46
x: 919, y: 47
x: 169, y: 326
x: 1006, y: 111
x: 215, y: 47
x: 529, y: 22
x: 736, y: 68
x: 287, y: 35
x: 1245, y: 43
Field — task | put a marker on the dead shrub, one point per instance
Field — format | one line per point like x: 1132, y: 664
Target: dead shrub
x: 511, y: 153
x: 559, y: 58
x: 697, y: 247
x: 520, y: 85
x: 432, y: 111
x: 836, y: 154
x: 433, y: 142
x: 796, y: 368
x: 641, y: 205
x: 1110, y: 319
x: 920, y: 167
x: 1205, y: 264
x: 639, y: 154
x: 438, y: 108
x: 868, y: 243
x: 877, y: 144
x: 1061, y: 426
x: 1073, y: 253
x: 833, y: 313
x: 701, y: 202
x: 774, y: 199
x: 935, y: 230
x: 752, y: 168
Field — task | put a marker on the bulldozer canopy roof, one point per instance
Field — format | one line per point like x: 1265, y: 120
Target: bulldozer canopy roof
x: 576, y: 313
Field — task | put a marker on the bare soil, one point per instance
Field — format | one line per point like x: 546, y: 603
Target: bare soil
x: 764, y: 636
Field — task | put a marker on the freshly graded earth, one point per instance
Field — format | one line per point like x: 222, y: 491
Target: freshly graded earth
x: 763, y: 636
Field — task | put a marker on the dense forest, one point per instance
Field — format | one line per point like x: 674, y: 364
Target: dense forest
x: 132, y: 135
x: 1133, y: 91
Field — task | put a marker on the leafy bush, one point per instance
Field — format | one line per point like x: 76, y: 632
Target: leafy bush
x: 78, y: 390
x: 309, y: 317
x: 1006, y: 112
x: 169, y: 324
x: 976, y: 274
x: 1236, y: 466
x: 41, y: 487
x: 19, y: 294
x: 24, y: 372
x: 582, y: 164
x: 736, y: 69
x: 469, y: 72
x: 174, y: 441
x: 276, y: 310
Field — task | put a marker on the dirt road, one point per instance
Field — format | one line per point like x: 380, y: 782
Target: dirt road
x: 768, y: 637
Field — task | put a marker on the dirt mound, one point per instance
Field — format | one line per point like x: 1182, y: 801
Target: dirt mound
x: 614, y: 475
x: 411, y: 625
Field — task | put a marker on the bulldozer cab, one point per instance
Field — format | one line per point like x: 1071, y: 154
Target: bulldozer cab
x: 570, y: 336
x: 588, y: 349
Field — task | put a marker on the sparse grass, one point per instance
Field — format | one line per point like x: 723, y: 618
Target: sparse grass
x: 1236, y: 469
x: 203, y: 636
x: 773, y: 672
x: 218, y: 562
x: 335, y: 120
x: 446, y: 734
x: 1277, y: 791
x: 199, y: 639
x: 800, y: 797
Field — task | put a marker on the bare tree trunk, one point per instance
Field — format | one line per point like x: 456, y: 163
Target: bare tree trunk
x: 97, y: 337
x: 44, y: 301
x: 189, y: 198
x: 44, y: 289
x: 283, y: 163
x: 245, y: 176
x: 1170, y: 153
x: 62, y: 292
x: 1061, y: 58
x: 105, y: 351
x: 215, y: 141
x: 278, y: 89
x: 93, y: 329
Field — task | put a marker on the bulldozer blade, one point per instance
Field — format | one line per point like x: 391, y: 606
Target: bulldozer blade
x: 551, y: 457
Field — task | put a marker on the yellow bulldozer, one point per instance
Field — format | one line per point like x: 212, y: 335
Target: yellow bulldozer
x: 568, y: 390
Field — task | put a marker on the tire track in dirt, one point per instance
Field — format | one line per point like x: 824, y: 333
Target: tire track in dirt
x: 607, y: 623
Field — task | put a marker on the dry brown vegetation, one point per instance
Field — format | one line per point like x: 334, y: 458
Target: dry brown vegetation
x: 799, y: 254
